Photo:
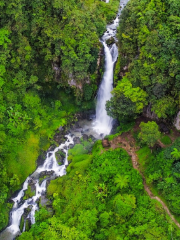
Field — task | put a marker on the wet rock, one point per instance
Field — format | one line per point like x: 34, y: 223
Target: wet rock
x: 78, y: 130
x: 163, y: 128
x: 115, y: 124
x: 148, y: 113
x: 105, y: 143
x: 85, y: 137
x: 75, y: 125
x: 60, y: 155
x: 46, y: 173
x: 91, y: 117
x: 28, y: 224
x: 60, y: 128
x: 88, y: 114
x: 85, y: 130
x: 77, y: 140
x: 177, y: 121
x: 110, y: 41
x: 57, y: 70
x: 59, y: 137
x: 32, y: 181
x: 52, y: 147
x: 24, y: 218
x: 41, y: 159
x: 10, y: 201
x: 71, y: 146
x: 43, y: 200
x: 92, y: 138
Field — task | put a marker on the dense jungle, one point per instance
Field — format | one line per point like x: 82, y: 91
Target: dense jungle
x: 51, y: 65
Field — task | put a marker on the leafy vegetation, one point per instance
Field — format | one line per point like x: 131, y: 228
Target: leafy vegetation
x: 166, y: 140
x: 126, y: 102
x: 48, y: 58
x: 149, y: 133
x: 104, y: 199
x: 48, y: 71
x: 161, y: 169
x: 148, y: 64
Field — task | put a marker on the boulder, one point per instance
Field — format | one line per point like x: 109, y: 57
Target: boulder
x: 41, y: 159
x: 92, y: 138
x: 71, y: 146
x: 177, y: 121
x: 46, y: 173
x: 105, y: 143
x: 76, y: 140
x: 60, y: 155
x: 110, y: 41
x: 163, y: 128
x: 91, y: 117
x: 85, y: 137
x: 78, y: 129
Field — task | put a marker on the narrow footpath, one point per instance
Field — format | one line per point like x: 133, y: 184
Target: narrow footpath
x: 127, y: 142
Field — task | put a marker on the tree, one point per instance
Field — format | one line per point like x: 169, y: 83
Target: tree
x: 124, y: 205
x: 121, y: 181
x: 127, y: 101
x: 149, y: 133
x: 164, y: 107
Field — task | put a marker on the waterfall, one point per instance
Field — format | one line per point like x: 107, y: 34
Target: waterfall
x: 102, y: 125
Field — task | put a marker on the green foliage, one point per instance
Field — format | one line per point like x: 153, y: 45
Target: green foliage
x: 164, y: 107
x: 166, y: 140
x: 124, y: 204
x: 121, y: 181
x: 175, y: 154
x: 123, y: 127
x: 149, y: 133
x: 88, y: 91
x: 105, y: 200
x: 126, y: 101
x: 149, y: 53
x: 43, y: 46
x: 162, y: 171
x: 28, y: 193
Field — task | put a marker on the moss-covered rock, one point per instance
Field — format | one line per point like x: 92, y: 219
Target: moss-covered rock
x: 60, y: 155
x: 110, y: 41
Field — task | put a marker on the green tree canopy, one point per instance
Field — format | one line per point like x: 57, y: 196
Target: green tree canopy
x: 127, y: 101
x: 149, y: 133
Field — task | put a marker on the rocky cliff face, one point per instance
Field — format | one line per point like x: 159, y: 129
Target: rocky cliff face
x: 177, y: 121
x: 148, y: 113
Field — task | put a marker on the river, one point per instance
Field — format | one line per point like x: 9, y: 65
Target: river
x: 100, y: 127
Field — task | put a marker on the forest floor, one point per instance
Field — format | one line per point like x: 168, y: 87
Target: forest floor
x: 127, y: 142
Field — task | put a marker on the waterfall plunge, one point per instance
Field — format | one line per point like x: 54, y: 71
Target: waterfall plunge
x: 103, y: 123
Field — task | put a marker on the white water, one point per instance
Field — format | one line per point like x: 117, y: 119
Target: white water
x: 50, y: 164
x: 102, y: 125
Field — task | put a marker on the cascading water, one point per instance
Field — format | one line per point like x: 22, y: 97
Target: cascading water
x: 102, y: 125
x: 50, y: 165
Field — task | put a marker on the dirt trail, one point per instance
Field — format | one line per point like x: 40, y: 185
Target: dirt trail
x: 127, y: 142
